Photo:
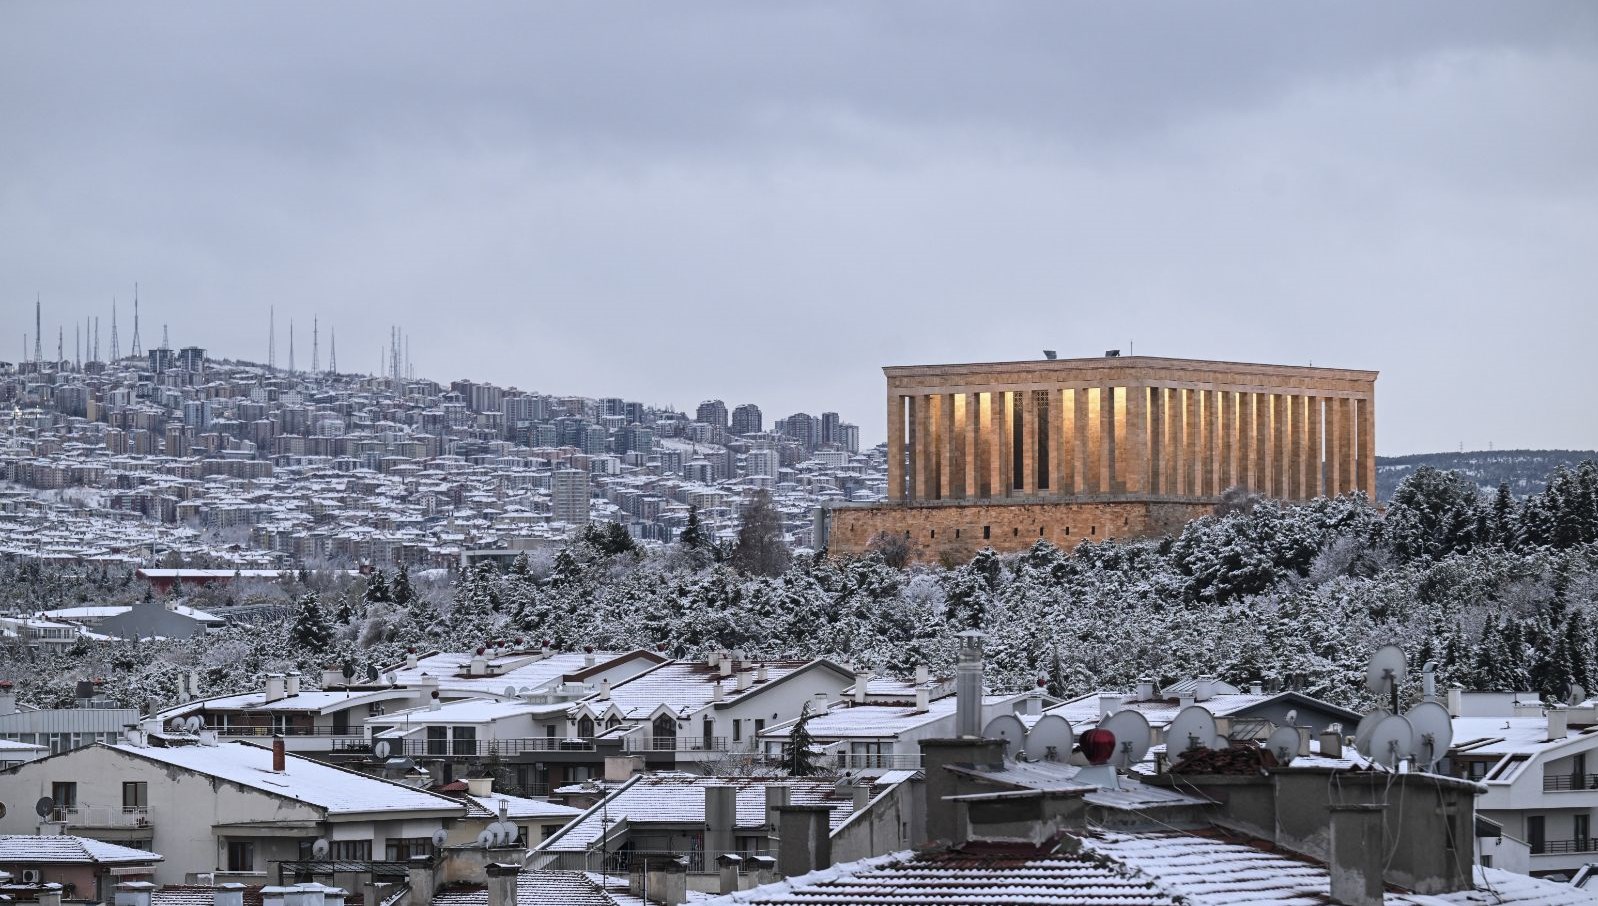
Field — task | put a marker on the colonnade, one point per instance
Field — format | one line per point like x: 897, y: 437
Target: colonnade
x: 1176, y: 440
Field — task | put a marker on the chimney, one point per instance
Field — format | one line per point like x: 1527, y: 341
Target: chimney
x: 1145, y: 689
x: 502, y: 883
x: 760, y: 673
x: 1109, y: 703
x: 410, y: 658
x: 420, y: 874
x: 279, y: 756
x: 712, y: 659
x: 291, y: 685
x: 276, y: 895
x: 1256, y: 688
x: 745, y: 678
x: 309, y: 893
x: 1183, y: 699
x: 604, y: 690
x: 923, y: 675
x: 818, y: 703
x: 588, y: 656
x: 1304, y: 734
x: 862, y: 682
x: 967, y: 686
x: 48, y: 895
x: 479, y: 786
x: 716, y: 693
x: 1034, y: 701
x: 8, y: 698
x: 333, y: 896
x: 137, y: 893
x: 274, y: 687
x: 1558, y: 723
x: 433, y: 703
x: 724, y: 667
x: 479, y: 664
x: 923, y: 700
x: 230, y: 894
x: 619, y: 768
x: 803, y: 843
x: 1456, y: 701
x: 1358, y: 855
x: 1204, y: 689
x: 727, y: 865
x: 332, y: 677
x: 1331, y: 745
x: 862, y: 795
x: 776, y: 799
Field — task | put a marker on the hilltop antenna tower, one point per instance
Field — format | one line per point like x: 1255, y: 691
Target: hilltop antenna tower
x: 291, y: 345
x: 96, y: 338
x: 77, y: 342
x: 116, y: 347
x: 38, y: 350
x: 271, y: 339
x: 316, y: 344
x: 164, y: 342
x: 60, y: 344
x: 332, y: 349
x: 136, y: 352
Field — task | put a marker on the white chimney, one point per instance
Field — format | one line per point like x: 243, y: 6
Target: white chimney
x: 1145, y: 689
x: 291, y: 684
x: 923, y: 675
x: 479, y: 665
x: 1183, y: 699
x: 1558, y: 722
x: 1256, y: 688
x: 1034, y: 703
x: 862, y: 682
x: 1456, y: 700
x: 923, y: 700
x: 479, y: 786
x: 1205, y: 688
x: 744, y: 680
x: 604, y: 690
x: 760, y: 673
x: 725, y: 666
x: 274, y: 687
x: 588, y: 656
x: 712, y: 659
x: 1109, y: 703
x: 137, y: 893
x: 230, y: 894
x: 818, y: 703
x: 433, y: 704
x: 410, y: 659
x: 332, y: 677
x: 716, y: 694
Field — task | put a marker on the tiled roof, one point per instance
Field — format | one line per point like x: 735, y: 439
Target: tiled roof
x: 27, y: 848
x: 546, y: 888
x: 529, y: 672
x: 202, y: 895
x: 687, y: 686
x: 322, y: 785
x: 521, y: 807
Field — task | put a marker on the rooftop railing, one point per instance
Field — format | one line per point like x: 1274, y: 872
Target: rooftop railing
x: 886, y: 761
x: 103, y: 816
x: 1560, y: 847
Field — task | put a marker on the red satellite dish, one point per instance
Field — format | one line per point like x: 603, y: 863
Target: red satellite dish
x: 1098, y: 745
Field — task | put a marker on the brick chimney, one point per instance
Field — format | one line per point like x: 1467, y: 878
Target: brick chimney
x: 279, y: 756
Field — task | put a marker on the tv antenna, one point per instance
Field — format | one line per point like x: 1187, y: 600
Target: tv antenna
x: 136, y: 350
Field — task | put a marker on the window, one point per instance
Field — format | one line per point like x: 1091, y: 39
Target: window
x: 135, y: 794
x: 737, y: 730
x: 760, y: 724
x: 1583, y: 822
x: 341, y: 723
x: 987, y: 532
x: 710, y: 734
x: 585, y: 727
x: 408, y: 848
x: 64, y: 794
x: 1537, y: 834
x: 465, y: 740
x: 240, y: 855
x: 350, y: 850
x: 438, y: 740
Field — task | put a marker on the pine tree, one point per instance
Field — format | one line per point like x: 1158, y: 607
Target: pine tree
x: 401, y: 592
x: 761, y: 549
x: 377, y: 590
x: 798, y: 753
x: 1501, y: 520
x: 310, y: 631
x: 693, y: 534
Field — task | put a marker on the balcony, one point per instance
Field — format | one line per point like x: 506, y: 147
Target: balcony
x: 96, y: 816
x: 267, y: 732
x: 869, y: 761
x: 681, y: 744
x: 483, y: 748
x: 1564, y: 847
x: 1564, y: 783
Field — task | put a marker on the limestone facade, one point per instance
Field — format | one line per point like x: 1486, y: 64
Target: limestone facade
x: 1060, y: 440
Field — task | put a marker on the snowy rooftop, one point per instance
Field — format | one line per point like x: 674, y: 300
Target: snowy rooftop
x: 27, y: 848
x: 845, y: 720
x: 549, y: 888
x: 522, y: 671
x: 522, y: 807
x: 336, y: 790
x: 687, y: 686
x: 319, y: 702
x: 1508, y: 736
x: 464, y: 711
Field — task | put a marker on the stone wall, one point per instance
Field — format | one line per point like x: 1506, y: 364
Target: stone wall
x: 956, y: 532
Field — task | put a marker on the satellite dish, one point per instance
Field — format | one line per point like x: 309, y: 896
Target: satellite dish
x: 1009, y: 728
x: 195, y: 723
x: 392, y: 677
x: 507, y: 832
x: 177, y: 725
x: 381, y: 748
x: 485, y: 839
x: 1220, y: 742
x: 439, y: 836
x: 1392, y: 741
x: 1132, y: 737
x: 1578, y: 693
x: 510, y: 692
x: 1386, y: 671
x: 1434, y: 733
x: 1051, y: 739
x: 320, y: 848
x: 1193, y: 728
x: 44, y: 806
x: 1283, y: 743
x: 1367, y: 726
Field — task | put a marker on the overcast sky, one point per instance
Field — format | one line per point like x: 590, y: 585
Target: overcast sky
x: 768, y: 202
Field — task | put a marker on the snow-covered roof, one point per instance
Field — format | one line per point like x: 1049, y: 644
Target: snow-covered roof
x: 466, y: 711
x: 846, y: 720
x: 101, y: 612
x: 523, y: 670
x: 687, y: 686
x: 64, y: 848
x: 549, y: 888
x: 14, y: 747
x: 1510, y: 736
x: 333, y: 789
x: 314, y: 701
x: 1083, y: 712
x: 522, y: 807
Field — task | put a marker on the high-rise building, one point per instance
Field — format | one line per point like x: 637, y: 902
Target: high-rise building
x: 802, y: 427
x: 829, y: 427
x: 594, y: 440
x: 746, y: 419
x: 568, y: 495
x: 713, y: 412
x: 848, y: 437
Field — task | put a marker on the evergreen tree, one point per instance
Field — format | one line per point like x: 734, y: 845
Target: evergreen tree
x: 761, y: 549
x: 401, y: 592
x: 1501, y: 525
x: 617, y: 540
x: 311, y: 631
x: 798, y: 753
x: 693, y: 534
x: 377, y: 590
x: 1432, y: 514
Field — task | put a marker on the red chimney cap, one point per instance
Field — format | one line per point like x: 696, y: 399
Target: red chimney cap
x: 1098, y: 745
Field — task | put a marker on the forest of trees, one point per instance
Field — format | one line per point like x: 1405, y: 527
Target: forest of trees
x: 1500, y: 591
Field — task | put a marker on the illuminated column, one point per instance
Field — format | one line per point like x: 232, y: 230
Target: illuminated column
x: 1156, y: 430
x: 1228, y: 439
x: 1173, y: 441
x: 1084, y: 465
x: 1107, y: 451
x: 895, y: 446
x: 1006, y: 424
x: 1312, y: 447
x: 992, y: 481
x: 1191, y: 428
x: 1279, y: 476
x: 1337, y: 446
x: 969, y: 433
x: 1211, y: 446
x: 1365, y: 471
x: 1029, y: 442
x: 1247, y: 463
x: 948, y: 466
x: 917, y: 481
x: 1136, y: 476
x: 1059, y: 445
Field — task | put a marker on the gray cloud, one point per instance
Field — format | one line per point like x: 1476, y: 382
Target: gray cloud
x: 670, y: 202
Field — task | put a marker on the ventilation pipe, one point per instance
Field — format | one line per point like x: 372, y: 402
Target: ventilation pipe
x: 1558, y: 723
x: 923, y: 701
x: 968, y: 685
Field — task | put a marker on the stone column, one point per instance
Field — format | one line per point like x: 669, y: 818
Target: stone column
x: 1295, y: 447
x: 946, y: 446
x: 1312, y: 442
x: 1136, y: 474
x: 916, y: 481
x: 895, y: 446
x: 991, y: 451
x: 1365, y: 469
x: 1156, y: 431
x: 1172, y: 480
x: 1338, y: 446
x: 1107, y: 451
x: 1247, y: 450
x: 1058, y: 463
x: 1212, y: 452
x: 1029, y: 443
x: 1004, y: 418
x: 1082, y: 469
x: 970, y: 489
x: 1262, y: 442
x: 1228, y: 440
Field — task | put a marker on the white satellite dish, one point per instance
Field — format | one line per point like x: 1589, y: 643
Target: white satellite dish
x: 1283, y: 743
x: 1434, y: 733
x: 175, y: 726
x: 1367, y: 726
x: 510, y: 692
x: 381, y: 748
x: 506, y: 831
x: 1193, y: 728
x: 392, y: 677
x: 1050, y: 739
x: 320, y: 848
x: 1392, y: 741
x: 439, y: 836
x: 1132, y: 737
x: 1387, y: 671
x: 485, y: 839
x: 1009, y: 728
x: 194, y: 724
x: 1578, y: 694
